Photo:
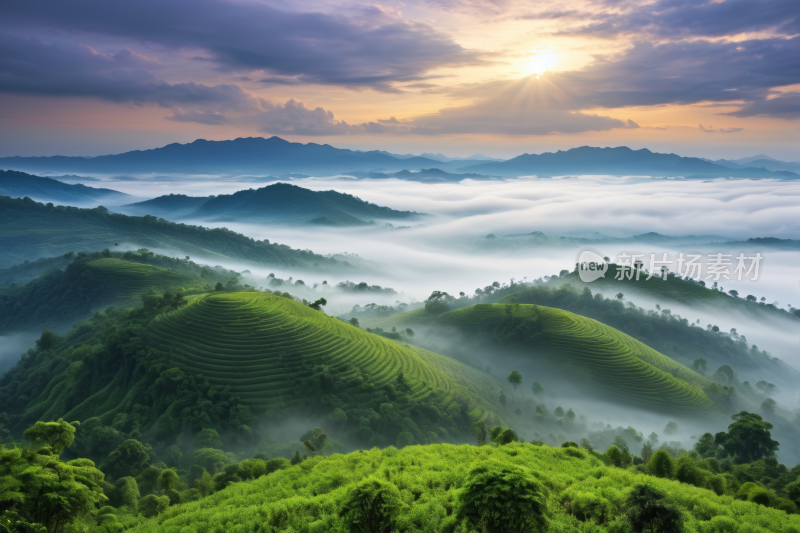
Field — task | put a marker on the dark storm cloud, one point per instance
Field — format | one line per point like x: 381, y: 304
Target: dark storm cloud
x: 680, y: 18
x: 785, y: 106
x: 28, y: 66
x: 309, y: 47
x: 691, y: 72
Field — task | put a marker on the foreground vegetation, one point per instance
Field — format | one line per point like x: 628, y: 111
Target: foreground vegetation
x: 504, y: 485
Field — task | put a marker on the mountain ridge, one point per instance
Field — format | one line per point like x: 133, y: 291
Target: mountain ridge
x: 275, y: 155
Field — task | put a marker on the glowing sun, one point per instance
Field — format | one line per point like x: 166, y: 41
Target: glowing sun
x: 540, y: 62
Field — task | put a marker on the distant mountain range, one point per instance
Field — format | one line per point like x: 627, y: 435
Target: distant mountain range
x: 279, y: 203
x: 19, y: 185
x: 262, y: 156
x: 759, y: 161
x: 243, y: 155
x: 618, y: 161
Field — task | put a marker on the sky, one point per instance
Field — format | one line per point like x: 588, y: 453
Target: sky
x: 717, y: 78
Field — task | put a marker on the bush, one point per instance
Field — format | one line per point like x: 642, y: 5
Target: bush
x: 648, y: 510
x: 502, y: 497
x: 661, y: 465
x: 151, y: 505
x: 371, y: 507
x: 688, y: 472
x: 613, y: 456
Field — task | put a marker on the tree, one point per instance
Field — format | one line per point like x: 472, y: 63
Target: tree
x: 151, y: 505
x: 52, y: 435
x: 649, y: 511
x: 700, y: 363
x: 503, y: 498
x: 207, y: 438
x: 661, y: 465
x: 48, y: 340
x: 706, y: 446
x: 127, y: 459
x: 751, y: 298
x: 749, y: 438
x: 767, y: 388
x: 620, y: 296
x: 559, y: 412
x: 44, y: 490
x: 536, y: 388
x: 671, y: 428
x: 502, y: 398
x: 614, y: 456
x: 405, y: 438
x: 768, y: 405
x: 647, y: 452
x: 515, y: 378
x: 480, y: 430
x: 317, y: 305
x: 354, y: 322
x: 372, y: 507
x: 734, y: 293
x: 218, y: 286
x: 438, y: 302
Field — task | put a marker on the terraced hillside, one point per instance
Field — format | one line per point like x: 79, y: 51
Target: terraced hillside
x: 125, y: 281
x: 262, y: 345
x: 606, y: 360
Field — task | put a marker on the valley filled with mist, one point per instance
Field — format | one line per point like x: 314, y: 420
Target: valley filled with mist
x: 194, y: 336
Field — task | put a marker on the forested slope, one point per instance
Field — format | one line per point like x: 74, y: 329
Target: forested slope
x: 32, y: 230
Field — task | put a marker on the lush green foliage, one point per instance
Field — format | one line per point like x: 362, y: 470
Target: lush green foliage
x: 436, y: 488
x: 608, y: 360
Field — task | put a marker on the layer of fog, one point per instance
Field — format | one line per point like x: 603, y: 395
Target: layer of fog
x: 12, y: 346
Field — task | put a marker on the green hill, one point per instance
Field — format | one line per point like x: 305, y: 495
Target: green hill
x: 94, y: 281
x: 32, y: 230
x: 259, y: 345
x: 279, y: 203
x: 674, y: 289
x: 581, y: 494
x: 605, y: 360
x: 229, y: 359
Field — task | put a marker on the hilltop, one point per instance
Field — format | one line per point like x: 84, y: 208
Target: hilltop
x: 221, y: 360
x: 32, y: 230
x: 569, y: 349
x: 618, y: 161
x: 426, y: 485
x: 83, y: 283
x: 252, y: 154
x: 20, y: 185
x: 279, y: 203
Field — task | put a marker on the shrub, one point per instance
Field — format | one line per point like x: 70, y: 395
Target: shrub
x: 503, y: 498
x: 648, y: 510
x: 688, y: 472
x: 661, y: 465
x: 151, y: 505
x: 371, y: 507
x: 613, y: 456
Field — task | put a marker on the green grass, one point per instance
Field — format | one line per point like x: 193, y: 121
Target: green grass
x: 584, y: 494
x: 605, y: 359
x: 126, y: 281
x: 261, y: 345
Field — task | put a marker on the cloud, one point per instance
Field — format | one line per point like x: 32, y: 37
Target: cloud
x: 786, y: 106
x: 29, y: 66
x: 678, y: 18
x: 295, y: 117
x: 711, y: 129
x: 312, y: 48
